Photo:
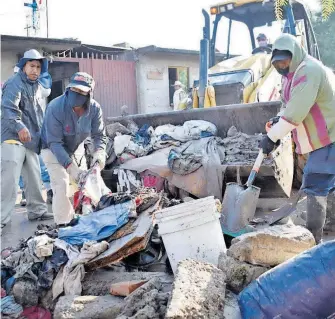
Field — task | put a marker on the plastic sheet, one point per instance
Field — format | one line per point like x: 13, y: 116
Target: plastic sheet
x: 98, y: 225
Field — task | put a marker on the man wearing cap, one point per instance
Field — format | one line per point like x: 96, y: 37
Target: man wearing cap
x: 69, y: 120
x: 309, y: 113
x: 21, y: 121
x: 179, y: 95
x: 263, y: 44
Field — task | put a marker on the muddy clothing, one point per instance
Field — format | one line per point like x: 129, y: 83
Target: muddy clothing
x: 309, y: 97
x: 63, y: 130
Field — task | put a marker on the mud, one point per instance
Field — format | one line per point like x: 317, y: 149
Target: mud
x: 198, y: 292
x: 147, y: 302
x: 240, y: 147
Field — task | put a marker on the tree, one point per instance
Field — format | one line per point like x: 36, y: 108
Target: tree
x: 325, y: 35
x: 328, y: 7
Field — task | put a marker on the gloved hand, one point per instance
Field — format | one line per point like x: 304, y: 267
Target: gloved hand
x: 100, y: 157
x: 274, y: 120
x: 74, y: 171
x: 267, y: 145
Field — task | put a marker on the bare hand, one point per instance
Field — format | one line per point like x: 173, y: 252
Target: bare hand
x: 24, y: 135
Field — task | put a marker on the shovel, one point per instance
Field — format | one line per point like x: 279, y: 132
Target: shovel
x: 240, y: 201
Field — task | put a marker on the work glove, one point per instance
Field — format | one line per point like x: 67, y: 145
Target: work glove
x: 274, y: 120
x: 100, y: 157
x: 267, y: 145
x: 74, y: 171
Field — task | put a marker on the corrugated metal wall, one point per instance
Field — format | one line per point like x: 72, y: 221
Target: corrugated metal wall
x: 115, y: 83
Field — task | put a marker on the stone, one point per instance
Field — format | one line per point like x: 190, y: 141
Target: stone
x: 271, y: 246
x: 84, y: 307
x: 146, y: 302
x: 25, y: 292
x: 239, y: 274
x: 198, y: 291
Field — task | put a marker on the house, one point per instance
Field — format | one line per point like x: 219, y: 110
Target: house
x: 140, y: 78
x: 113, y: 68
x: 157, y: 69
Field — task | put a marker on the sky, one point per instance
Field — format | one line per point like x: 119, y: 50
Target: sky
x: 166, y: 23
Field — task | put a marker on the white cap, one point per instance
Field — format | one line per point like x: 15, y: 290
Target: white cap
x: 177, y: 83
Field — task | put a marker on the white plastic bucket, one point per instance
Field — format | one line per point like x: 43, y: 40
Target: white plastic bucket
x: 192, y: 230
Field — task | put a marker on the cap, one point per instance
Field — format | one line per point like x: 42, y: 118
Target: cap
x: 82, y: 81
x: 280, y: 55
x: 261, y: 36
x: 177, y: 83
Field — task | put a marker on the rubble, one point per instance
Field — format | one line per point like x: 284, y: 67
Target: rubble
x: 84, y: 307
x: 239, y: 274
x: 272, y: 245
x: 98, y: 282
x: 147, y: 302
x: 198, y: 292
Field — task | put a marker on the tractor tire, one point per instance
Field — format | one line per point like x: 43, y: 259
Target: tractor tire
x: 299, y: 164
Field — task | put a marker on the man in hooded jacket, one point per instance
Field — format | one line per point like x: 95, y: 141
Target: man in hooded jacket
x: 69, y: 120
x: 21, y: 121
x: 308, y: 93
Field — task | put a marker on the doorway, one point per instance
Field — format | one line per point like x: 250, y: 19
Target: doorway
x: 178, y: 74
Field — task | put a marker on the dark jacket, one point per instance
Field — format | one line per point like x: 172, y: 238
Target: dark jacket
x: 63, y: 131
x: 21, y: 107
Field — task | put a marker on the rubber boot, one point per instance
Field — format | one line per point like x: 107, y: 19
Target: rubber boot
x: 23, y: 202
x: 330, y: 220
x: 316, y: 215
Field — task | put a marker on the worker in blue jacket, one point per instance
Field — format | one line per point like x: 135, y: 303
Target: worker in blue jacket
x: 21, y: 122
x: 69, y: 120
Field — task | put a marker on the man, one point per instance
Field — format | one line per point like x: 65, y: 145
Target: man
x: 179, y: 96
x: 69, y: 120
x: 21, y: 122
x: 263, y: 44
x: 309, y: 113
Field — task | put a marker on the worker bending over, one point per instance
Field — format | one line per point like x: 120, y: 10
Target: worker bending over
x: 69, y: 120
x: 309, y: 113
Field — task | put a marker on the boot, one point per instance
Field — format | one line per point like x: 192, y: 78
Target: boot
x: 49, y: 196
x: 316, y: 215
x: 23, y: 202
x: 330, y: 220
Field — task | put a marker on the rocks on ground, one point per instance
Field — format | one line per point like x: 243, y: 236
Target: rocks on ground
x: 239, y: 274
x: 271, y: 246
x: 147, y: 302
x: 198, y: 292
x: 84, y: 307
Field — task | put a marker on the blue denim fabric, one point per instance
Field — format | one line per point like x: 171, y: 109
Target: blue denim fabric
x: 319, y: 172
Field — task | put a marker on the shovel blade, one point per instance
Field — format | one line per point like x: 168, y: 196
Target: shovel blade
x: 238, y: 206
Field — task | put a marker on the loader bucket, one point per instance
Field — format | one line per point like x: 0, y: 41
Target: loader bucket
x: 238, y: 206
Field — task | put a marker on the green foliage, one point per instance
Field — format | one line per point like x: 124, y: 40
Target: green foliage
x: 328, y: 7
x: 325, y: 35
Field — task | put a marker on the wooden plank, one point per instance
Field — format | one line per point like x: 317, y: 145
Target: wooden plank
x: 126, y: 245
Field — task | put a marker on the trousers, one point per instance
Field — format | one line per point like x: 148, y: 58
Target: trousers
x: 44, y: 174
x: 17, y: 160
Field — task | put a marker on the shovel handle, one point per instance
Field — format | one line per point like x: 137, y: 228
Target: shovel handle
x: 255, y: 168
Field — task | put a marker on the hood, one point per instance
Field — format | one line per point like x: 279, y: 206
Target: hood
x: 33, y: 55
x: 290, y: 43
x: 45, y: 80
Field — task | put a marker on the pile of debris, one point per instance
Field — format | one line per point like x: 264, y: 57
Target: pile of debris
x: 152, y: 249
